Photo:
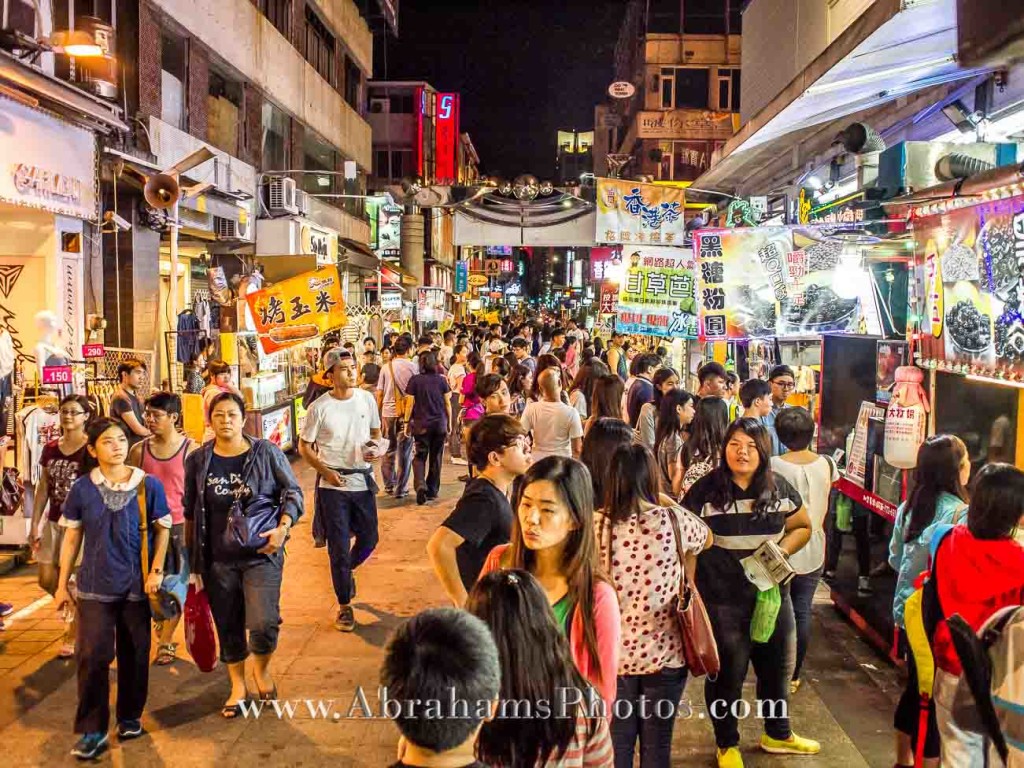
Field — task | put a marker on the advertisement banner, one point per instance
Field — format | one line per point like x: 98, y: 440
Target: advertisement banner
x: 429, y: 304
x: 320, y: 243
x: 658, y: 296
x: 609, y: 299
x: 389, y: 230
x: 461, y: 276
x: 778, y: 281
x: 685, y: 124
x: 969, y: 262
x: 298, y: 309
x: 638, y: 214
x: 277, y: 427
x: 446, y: 133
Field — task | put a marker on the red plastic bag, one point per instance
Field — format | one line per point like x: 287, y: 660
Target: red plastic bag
x: 200, y: 634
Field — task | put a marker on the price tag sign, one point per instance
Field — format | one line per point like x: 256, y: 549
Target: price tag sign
x: 90, y: 351
x: 57, y: 374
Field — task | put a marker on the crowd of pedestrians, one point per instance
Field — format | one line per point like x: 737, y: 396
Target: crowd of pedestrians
x: 598, y: 494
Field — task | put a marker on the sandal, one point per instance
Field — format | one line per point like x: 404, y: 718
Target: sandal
x: 166, y: 653
x: 270, y: 695
x: 231, y: 711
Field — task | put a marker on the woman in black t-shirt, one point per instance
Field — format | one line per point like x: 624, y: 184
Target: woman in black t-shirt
x: 745, y: 504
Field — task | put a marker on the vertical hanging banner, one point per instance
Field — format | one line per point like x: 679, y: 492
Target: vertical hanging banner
x: 461, y: 276
x: 632, y: 213
x: 446, y: 132
x: 298, y: 309
x: 658, y: 295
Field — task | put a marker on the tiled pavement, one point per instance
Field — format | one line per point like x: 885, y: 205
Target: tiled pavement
x: 846, y: 701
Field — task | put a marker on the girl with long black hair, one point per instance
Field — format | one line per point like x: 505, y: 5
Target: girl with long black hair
x: 703, y: 448
x: 746, y: 504
x: 537, y: 669
x: 665, y: 380
x: 939, y: 498
x: 676, y: 413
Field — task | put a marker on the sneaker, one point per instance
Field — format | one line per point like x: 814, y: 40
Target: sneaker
x: 829, y: 576
x: 421, y: 496
x: 794, y: 745
x: 730, y: 758
x: 90, y: 746
x: 459, y: 462
x: 463, y: 478
x: 129, y: 729
x: 346, y: 621
x: 864, y: 586
x: 6, y: 609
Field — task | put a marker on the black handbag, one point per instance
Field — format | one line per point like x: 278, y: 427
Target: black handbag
x: 247, y: 519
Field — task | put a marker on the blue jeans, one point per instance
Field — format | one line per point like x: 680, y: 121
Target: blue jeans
x: 802, y: 589
x: 654, y: 731
x: 347, y: 514
x: 773, y: 665
x: 398, y: 460
x: 246, y: 595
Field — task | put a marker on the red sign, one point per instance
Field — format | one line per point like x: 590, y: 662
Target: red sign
x: 446, y: 131
x: 609, y: 299
x: 57, y: 374
x: 90, y: 351
x: 866, y: 498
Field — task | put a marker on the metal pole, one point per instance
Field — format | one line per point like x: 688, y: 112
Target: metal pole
x: 174, y: 279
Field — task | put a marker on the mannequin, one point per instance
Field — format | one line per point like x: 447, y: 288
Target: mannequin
x: 48, y: 350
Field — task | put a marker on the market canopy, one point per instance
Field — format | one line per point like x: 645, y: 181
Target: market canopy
x: 894, y: 50
x: 559, y: 219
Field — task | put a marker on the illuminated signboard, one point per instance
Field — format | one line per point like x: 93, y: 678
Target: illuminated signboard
x: 446, y: 132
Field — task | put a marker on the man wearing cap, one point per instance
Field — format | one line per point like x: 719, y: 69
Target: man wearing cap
x: 782, y: 381
x: 341, y: 426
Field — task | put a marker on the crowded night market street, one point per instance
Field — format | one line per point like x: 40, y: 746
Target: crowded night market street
x: 431, y: 384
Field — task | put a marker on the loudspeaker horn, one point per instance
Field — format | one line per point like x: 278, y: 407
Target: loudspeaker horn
x: 161, y: 191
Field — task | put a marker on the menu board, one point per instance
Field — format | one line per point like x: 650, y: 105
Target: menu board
x: 856, y: 462
x: 778, y: 281
x: 969, y: 265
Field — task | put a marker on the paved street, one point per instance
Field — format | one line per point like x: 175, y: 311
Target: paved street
x: 846, y: 701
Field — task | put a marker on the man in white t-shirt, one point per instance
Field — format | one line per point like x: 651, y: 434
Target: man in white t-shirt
x: 557, y: 428
x: 398, y: 460
x: 336, y: 440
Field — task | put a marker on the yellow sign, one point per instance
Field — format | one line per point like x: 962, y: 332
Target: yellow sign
x: 633, y: 213
x: 320, y: 243
x: 476, y: 280
x: 298, y: 309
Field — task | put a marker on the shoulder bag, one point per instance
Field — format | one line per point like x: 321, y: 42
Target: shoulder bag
x: 402, y: 409
x: 247, y: 519
x: 699, y: 647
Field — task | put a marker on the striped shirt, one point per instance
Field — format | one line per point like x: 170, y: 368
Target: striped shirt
x: 587, y: 751
x: 738, y: 532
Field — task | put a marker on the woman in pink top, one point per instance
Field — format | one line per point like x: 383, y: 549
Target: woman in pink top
x: 553, y: 539
x: 163, y: 456
x: 640, y: 540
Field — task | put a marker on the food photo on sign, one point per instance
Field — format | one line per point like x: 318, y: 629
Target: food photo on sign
x: 780, y: 281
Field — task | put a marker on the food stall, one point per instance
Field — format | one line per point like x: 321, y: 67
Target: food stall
x: 276, y: 362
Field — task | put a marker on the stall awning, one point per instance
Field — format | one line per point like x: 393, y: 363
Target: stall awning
x: 894, y: 50
x: 358, y: 254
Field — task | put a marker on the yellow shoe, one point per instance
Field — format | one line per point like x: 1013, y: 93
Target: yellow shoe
x: 794, y: 745
x: 730, y: 758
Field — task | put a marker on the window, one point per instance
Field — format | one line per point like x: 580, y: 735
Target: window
x: 318, y: 155
x: 735, y: 17
x: 224, y: 113
x: 392, y: 164
x: 664, y: 16
x: 704, y: 17
x: 173, y: 66
x: 353, y: 83
x: 683, y: 88
x: 278, y: 13
x: 381, y: 169
x: 275, y: 138
x: 401, y: 103
x: 21, y: 16
x: 320, y: 47
x: 684, y: 160
x: 728, y: 81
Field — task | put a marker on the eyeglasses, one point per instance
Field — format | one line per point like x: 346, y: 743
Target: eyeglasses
x: 785, y: 384
x: 67, y: 412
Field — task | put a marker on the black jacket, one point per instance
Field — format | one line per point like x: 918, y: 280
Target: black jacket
x: 271, y: 476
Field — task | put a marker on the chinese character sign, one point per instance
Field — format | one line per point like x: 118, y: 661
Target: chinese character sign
x: 429, y: 304
x: 778, y: 281
x: 657, y: 295
x: 298, y: 309
x: 461, y: 276
x: 632, y: 213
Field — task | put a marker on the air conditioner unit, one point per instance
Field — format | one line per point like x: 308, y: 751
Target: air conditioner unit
x: 380, y: 106
x: 231, y: 229
x: 302, y: 202
x: 281, y: 196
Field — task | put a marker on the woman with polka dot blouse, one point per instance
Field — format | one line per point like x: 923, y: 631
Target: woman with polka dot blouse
x: 636, y: 534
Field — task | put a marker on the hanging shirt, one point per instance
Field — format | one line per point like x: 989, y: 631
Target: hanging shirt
x: 62, y: 469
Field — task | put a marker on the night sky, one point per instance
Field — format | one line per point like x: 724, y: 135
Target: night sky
x: 525, y: 68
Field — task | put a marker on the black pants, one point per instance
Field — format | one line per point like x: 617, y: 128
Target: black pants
x: 102, y: 628
x: 908, y: 712
x: 245, y: 595
x: 652, y: 727
x: 860, y: 522
x: 347, y: 514
x: 429, y: 452
x: 773, y: 664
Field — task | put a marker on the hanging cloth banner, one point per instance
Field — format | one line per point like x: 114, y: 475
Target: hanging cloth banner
x: 298, y: 309
x: 658, y: 295
x: 636, y: 214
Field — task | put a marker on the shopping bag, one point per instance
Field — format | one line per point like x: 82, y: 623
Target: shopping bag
x: 766, y: 612
x: 200, y: 635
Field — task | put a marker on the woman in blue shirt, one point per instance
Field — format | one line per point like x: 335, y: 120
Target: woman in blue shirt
x: 939, y: 498
x: 103, y: 512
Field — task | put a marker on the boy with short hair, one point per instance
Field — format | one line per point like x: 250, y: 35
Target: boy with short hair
x: 417, y: 672
x: 756, y: 397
